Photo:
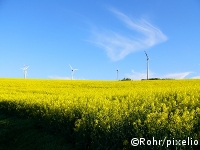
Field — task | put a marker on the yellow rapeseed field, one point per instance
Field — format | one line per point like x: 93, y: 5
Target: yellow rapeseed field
x: 99, y: 114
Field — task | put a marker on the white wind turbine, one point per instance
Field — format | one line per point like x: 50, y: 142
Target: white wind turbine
x: 72, y: 71
x: 147, y: 65
x: 25, y: 71
x: 117, y: 73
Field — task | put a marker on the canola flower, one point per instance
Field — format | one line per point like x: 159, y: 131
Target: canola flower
x: 103, y: 114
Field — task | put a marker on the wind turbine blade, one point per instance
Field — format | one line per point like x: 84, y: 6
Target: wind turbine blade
x: 75, y: 69
x: 146, y: 54
x: 70, y: 66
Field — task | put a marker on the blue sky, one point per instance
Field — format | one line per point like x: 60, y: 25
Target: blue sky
x: 98, y: 37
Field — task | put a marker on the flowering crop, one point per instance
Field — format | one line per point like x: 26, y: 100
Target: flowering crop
x: 107, y: 114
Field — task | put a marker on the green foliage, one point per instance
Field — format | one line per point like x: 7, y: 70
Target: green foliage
x: 154, y: 79
x: 126, y: 79
x: 24, y: 134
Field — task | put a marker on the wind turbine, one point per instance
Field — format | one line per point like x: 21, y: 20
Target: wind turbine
x: 147, y: 65
x: 72, y: 71
x: 25, y: 71
x: 117, y: 73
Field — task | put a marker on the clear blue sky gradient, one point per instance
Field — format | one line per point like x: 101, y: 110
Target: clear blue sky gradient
x: 98, y: 37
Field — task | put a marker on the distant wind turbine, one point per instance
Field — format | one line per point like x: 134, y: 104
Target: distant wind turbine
x: 117, y: 73
x: 72, y: 71
x: 25, y: 71
x: 147, y: 65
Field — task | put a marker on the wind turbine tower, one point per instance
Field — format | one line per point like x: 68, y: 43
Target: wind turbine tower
x: 72, y: 72
x: 147, y: 65
x: 117, y: 73
x: 25, y: 71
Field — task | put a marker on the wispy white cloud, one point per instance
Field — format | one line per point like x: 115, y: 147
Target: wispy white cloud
x: 59, y: 78
x: 196, y: 77
x: 179, y: 75
x: 143, y: 75
x: 139, y: 75
x: 118, y: 46
x: 64, y: 78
